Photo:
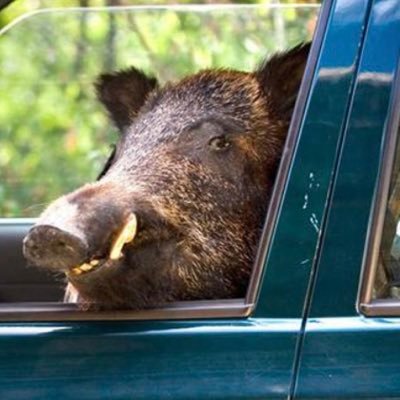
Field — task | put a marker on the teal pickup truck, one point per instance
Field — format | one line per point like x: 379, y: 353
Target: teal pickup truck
x: 321, y: 319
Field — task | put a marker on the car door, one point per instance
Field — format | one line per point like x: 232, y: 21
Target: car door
x: 350, y: 344
x: 239, y: 349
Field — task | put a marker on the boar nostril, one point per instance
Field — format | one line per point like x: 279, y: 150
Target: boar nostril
x: 51, y: 247
x: 61, y: 244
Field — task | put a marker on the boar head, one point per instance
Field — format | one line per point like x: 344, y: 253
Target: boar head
x: 195, y: 163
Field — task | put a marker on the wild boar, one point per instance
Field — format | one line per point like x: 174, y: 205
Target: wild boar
x: 194, y: 166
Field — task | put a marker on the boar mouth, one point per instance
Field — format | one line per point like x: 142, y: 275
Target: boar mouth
x: 125, y: 236
x: 126, y: 249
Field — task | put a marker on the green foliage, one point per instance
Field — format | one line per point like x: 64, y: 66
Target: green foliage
x: 54, y: 136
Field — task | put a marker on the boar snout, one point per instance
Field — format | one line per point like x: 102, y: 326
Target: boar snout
x: 52, y: 247
x: 75, y: 228
x: 86, y: 230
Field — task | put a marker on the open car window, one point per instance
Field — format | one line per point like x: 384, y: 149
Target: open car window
x: 55, y: 136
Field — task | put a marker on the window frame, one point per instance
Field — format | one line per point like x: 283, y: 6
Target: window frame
x: 243, y: 307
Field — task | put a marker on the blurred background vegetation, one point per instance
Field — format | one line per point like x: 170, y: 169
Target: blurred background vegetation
x: 54, y: 136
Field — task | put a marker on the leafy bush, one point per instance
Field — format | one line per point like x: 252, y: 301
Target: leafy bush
x: 54, y: 136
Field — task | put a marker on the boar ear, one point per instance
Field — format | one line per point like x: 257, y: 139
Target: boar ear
x: 123, y: 93
x: 280, y: 78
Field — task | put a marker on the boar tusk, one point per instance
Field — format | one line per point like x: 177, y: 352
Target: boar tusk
x: 126, y: 235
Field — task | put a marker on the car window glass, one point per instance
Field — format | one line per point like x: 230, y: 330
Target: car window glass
x: 387, y: 279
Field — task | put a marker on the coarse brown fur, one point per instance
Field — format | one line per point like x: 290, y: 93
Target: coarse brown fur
x: 196, y: 162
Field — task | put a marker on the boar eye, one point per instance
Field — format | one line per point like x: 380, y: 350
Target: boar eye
x: 219, y: 143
